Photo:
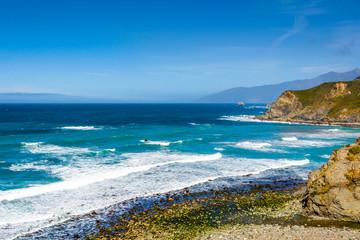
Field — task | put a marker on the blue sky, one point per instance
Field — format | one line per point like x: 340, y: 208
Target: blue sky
x: 171, y: 50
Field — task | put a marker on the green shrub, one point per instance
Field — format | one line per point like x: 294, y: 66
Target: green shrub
x: 355, y: 149
x: 350, y: 156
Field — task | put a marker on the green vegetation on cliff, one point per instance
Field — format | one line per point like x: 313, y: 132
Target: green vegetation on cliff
x: 347, y: 98
x: 328, y: 102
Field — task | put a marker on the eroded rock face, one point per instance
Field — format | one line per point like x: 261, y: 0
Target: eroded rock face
x: 334, y: 188
x: 336, y: 103
x: 285, y: 107
x: 339, y: 90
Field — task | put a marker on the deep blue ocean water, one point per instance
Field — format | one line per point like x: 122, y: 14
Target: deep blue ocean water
x: 61, y: 160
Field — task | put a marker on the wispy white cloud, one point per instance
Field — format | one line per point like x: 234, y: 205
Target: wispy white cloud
x: 300, y: 9
x: 299, y: 25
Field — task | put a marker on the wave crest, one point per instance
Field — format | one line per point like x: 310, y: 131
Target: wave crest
x: 289, y: 139
x: 81, y: 128
x: 161, y: 143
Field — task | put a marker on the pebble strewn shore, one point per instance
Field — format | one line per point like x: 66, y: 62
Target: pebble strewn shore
x: 266, y: 232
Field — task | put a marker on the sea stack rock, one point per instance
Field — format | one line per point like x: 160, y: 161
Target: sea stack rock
x: 333, y: 190
x: 241, y: 104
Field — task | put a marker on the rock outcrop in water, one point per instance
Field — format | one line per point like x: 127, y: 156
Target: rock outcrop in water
x: 334, y: 188
x: 335, y: 103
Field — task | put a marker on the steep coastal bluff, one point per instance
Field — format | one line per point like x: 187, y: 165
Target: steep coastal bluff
x: 334, y: 103
x: 334, y: 188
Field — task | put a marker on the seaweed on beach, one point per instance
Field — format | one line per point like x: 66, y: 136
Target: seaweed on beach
x: 187, y: 215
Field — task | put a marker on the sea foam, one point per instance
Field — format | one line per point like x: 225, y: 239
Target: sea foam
x: 42, y: 148
x: 161, y: 143
x: 257, y: 146
x: 104, y: 172
x: 289, y: 139
x: 143, y: 173
x: 252, y: 118
x: 81, y: 128
x: 332, y: 133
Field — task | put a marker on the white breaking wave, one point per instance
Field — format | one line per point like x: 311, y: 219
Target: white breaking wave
x: 32, y: 143
x: 116, y: 172
x: 251, y: 118
x: 244, y: 166
x: 219, y: 149
x: 281, y: 145
x: 56, y: 150
x: 327, y: 156
x: 41, y: 148
x: 257, y: 146
x: 304, y: 143
x: 289, y: 139
x: 253, y: 145
x: 82, y: 128
x: 29, y: 166
x: 240, y: 118
x: 110, y: 149
x: 200, y: 124
x: 162, y: 158
x: 161, y: 143
x: 333, y: 133
x: 139, y: 174
x: 332, y: 130
x: 102, y: 173
x: 69, y: 184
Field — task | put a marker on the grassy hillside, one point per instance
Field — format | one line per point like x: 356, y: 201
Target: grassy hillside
x: 341, y: 97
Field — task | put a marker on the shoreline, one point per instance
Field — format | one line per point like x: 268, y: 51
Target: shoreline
x: 317, y: 123
x: 81, y: 225
x: 262, y: 203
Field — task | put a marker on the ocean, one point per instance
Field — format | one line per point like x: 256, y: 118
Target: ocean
x: 62, y: 160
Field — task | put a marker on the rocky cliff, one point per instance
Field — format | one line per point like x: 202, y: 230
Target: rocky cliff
x: 334, y: 188
x: 330, y: 103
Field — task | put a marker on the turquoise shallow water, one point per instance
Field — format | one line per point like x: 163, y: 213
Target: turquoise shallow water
x: 58, y: 161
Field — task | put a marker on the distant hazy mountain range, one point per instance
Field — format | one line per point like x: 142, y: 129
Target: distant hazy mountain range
x: 269, y: 93
x: 48, y: 98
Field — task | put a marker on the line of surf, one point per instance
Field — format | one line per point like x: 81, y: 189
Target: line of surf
x: 116, y: 172
x: 80, y: 128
